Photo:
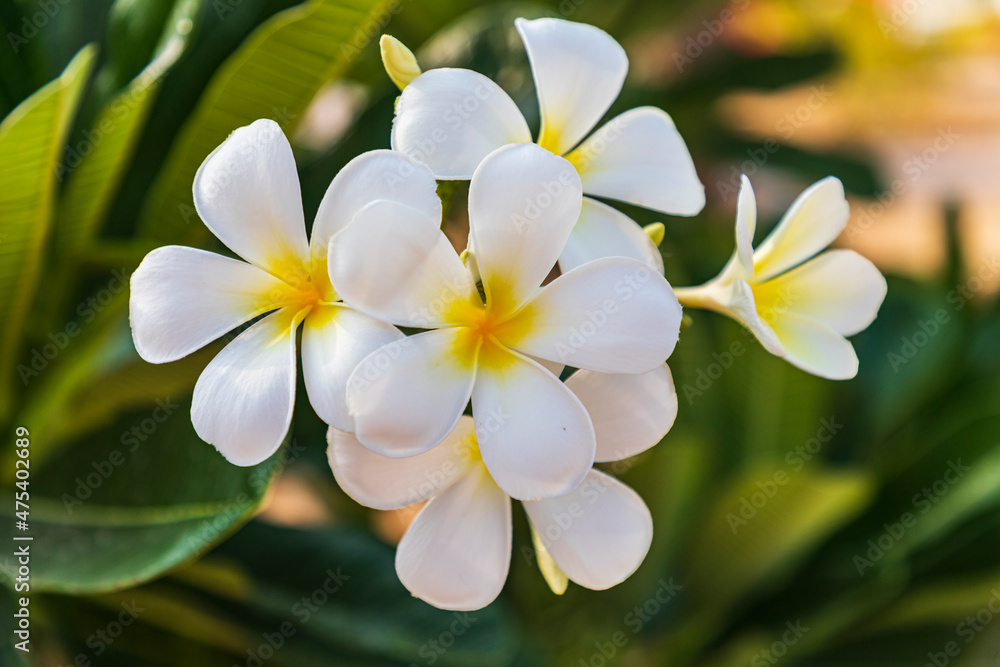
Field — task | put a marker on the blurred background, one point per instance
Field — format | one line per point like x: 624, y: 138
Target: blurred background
x: 798, y: 520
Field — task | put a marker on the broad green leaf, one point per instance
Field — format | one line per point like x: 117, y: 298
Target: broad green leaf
x: 764, y: 524
x: 104, y: 380
x: 31, y: 139
x: 111, y: 141
x: 274, y: 74
x: 133, y: 500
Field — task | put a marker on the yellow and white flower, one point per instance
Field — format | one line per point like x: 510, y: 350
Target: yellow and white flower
x: 799, y: 308
x: 613, y: 315
x: 247, y: 193
x: 451, y: 119
x: 456, y: 553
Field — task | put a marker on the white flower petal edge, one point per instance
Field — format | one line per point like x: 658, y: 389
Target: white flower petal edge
x: 579, y: 70
x: 183, y: 298
x: 814, y: 221
x: 535, y: 435
x: 603, y: 231
x: 406, y: 397
x: 640, y: 158
x: 631, y: 413
x: 523, y: 204
x: 244, y: 398
x: 391, y: 264
x: 613, y: 315
x: 800, y: 310
x: 371, y: 176
x: 335, y: 339
x: 384, y: 483
x: 247, y: 193
x: 451, y: 119
x: 456, y: 553
x: 607, y: 538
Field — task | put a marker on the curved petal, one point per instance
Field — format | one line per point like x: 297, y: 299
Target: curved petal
x: 631, y: 413
x: 743, y: 307
x: 334, y: 341
x: 579, y: 70
x: 523, y: 203
x: 407, y: 396
x: 840, y: 289
x: 598, y: 534
x: 247, y: 193
x: 380, y: 174
x: 183, y: 298
x: 746, y: 225
x: 535, y: 436
x: 639, y: 157
x: 384, y: 483
x: 450, y: 119
x: 392, y: 264
x: 813, y: 222
x: 244, y: 399
x: 603, y: 231
x: 815, y: 348
x: 612, y: 315
x: 456, y: 552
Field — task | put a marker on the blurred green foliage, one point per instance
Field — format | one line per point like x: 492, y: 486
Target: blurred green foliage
x: 797, y: 520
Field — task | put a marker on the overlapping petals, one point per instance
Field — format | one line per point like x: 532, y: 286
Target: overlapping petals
x: 456, y: 553
x: 615, y: 316
x: 247, y: 192
x: 451, y: 119
x: 801, y: 307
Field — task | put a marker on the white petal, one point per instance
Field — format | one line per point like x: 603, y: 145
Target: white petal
x: 407, y: 396
x: 380, y: 174
x: 602, y: 231
x: 394, y: 265
x: 631, y: 413
x: 840, y: 289
x: 385, y: 483
x: 247, y: 193
x: 183, y: 298
x: 743, y: 308
x: 579, y: 70
x: 450, y: 119
x: 613, y: 315
x: 639, y: 157
x: 456, y: 552
x: 598, y: 534
x: 815, y: 348
x: 812, y: 223
x: 244, y: 399
x: 523, y: 203
x: 746, y: 225
x: 334, y: 341
x: 535, y: 436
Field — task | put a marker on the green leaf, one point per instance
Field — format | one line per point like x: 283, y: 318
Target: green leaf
x: 31, y: 138
x: 275, y: 74
x: 761, y: 527
x: 112, y: 140
x: 134, y: 500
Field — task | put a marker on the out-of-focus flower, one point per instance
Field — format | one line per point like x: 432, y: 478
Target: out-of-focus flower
x: 451, y: 119
x: 800, y: 310
x: 613, y: 315
x: 456, y: 553
x: 247, y: 193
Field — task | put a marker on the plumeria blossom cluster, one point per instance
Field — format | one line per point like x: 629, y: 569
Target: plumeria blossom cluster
x: 507, y: 384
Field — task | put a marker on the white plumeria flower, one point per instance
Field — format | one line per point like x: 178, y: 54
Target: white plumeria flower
x: 613, y: 315
x: 456, y: 553
x: 800, y: 310
x: 451, y: 119
x: 247, y: 193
